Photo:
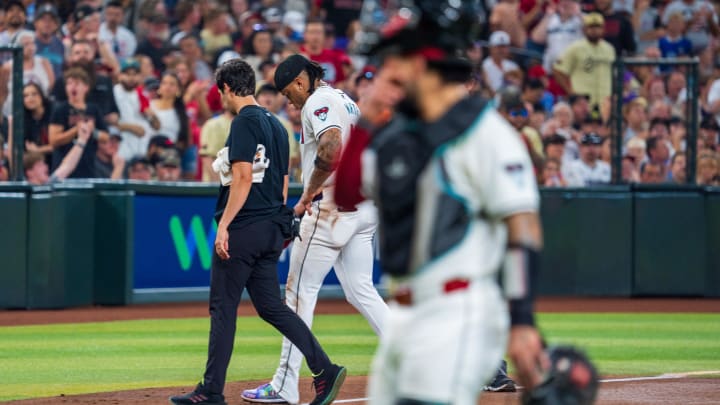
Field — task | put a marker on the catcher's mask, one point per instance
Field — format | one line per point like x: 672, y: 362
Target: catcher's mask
x: 572, y: 380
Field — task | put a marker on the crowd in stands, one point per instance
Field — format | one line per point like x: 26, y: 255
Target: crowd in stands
x: 137, y: 75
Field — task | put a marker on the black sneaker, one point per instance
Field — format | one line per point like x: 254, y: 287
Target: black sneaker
x: 199, y: 397
x: 327, y: 384
x: 501, y: 382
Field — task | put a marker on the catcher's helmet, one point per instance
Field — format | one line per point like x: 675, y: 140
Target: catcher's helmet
x: 572, y: 380
x: 404, y: 26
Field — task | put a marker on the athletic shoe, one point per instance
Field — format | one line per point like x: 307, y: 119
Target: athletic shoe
x: 327, y: 384
x: 264, y: 393
x: 501, y: 383
x: 199, y: 396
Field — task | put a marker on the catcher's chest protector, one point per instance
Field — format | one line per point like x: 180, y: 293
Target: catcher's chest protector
x: 403, y: 151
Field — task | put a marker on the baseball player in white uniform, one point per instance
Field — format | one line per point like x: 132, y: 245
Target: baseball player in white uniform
x: 457, y: 204
x: 330, y: 236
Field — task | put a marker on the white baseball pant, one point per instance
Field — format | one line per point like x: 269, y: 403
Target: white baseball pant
x: 342, y: 240
x: 442, y: 350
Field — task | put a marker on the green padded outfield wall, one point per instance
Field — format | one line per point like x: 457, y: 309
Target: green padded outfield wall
x: 13, y: 246
x: 113, y: 270
x: 670, y: 242
x: 587, y: 239
x: 712, y: 219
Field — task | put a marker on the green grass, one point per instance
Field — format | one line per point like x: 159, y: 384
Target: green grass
x: 47, y: 360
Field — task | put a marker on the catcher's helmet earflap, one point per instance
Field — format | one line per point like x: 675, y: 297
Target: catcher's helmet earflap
x: 571, y: 380
x: 403, y: 26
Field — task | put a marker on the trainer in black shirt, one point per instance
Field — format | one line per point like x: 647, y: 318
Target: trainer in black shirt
x: 253, y: 223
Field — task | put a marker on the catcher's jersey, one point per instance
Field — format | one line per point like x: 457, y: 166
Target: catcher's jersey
x: 326, y: 108
x: 474, y: 172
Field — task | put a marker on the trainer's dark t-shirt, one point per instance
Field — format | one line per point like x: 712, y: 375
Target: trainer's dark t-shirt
x: 256, y: 136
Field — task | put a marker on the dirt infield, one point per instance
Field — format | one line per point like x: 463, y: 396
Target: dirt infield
x: 656, y: 391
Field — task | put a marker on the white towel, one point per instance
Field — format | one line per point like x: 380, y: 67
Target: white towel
x: 221, y: 166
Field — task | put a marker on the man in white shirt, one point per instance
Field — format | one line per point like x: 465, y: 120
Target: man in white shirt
x: 497, y: 64
x: 132, y: 123
x: 557, y: 30
x: 122, y: 41
x: 589, y: 169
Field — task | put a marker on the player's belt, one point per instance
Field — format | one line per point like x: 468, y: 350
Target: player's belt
x: 340, y: 209
x: 404, y: 296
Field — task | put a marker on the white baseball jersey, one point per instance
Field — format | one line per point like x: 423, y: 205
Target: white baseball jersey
x: 447, y: 344
x: 326, y: 108
x: 329, y: 238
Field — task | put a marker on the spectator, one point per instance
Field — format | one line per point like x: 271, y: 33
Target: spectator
x: 647, y: 24
x: 708, y: 135
x: 187, y: 13
x: 37, y: 119
x: 559, y: 28
x: 260, y: 50
x: 512, y: 108
x: 652, y: 173
x: 71, y: 116
x: 677, y: 92
x: 193, y: 54
x: 497, y: 64
x: 15, y: 20
x: 82, y: 55
x: 561, y: 124
x: 139, y: 168
x: 707, y: 169
x: 630, y: 172
x: 216, y: 32
x: 36, y: 170
x: 36, y: 69
x: 655, y: 91
x: 677, y: 173
x: 336, y: 64
x: 156, y: 44
x: 169, y: 111
x: 4, y: 167
x: 212, y: 138
x: 108, y: 162
x: 588, y: 170
x: 659, y: 110
x: 167, y: 167
x: 674, y: 44
x: 122, y: 41
x: 713, y: 100
x: 580, y: 106
x: 586, y: 66
x: 701, y: 18
x: 47, y: 43
x: 134, y: 127
x: 636, y: 148
x: 618, y: 30
x: 505, y: 16
x: 552, y: 174
x: 636, y: 119
x: 657, y: 151
x: 156, y: 145
x: 554, y: 148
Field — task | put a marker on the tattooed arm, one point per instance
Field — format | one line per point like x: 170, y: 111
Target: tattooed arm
x: 328, y: 154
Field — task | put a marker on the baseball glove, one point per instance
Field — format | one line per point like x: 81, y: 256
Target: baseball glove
x: 572, y: 380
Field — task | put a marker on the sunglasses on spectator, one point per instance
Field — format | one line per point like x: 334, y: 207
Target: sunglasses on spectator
x: 368, y: 75
x: 519, y: 113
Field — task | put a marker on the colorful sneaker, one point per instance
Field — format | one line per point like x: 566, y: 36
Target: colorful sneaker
x: 264, y: 393
x: 199, y: 396
x: 327, y: 384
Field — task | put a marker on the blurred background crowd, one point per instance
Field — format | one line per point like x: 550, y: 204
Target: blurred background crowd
x: 138, y: 75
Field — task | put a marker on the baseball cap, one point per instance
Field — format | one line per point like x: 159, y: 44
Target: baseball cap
x: 83, y: 12
x: 151, y: 83
x: 169, y: 157
x: 499, y: 38
x: 295, y: 20
x: 272, y: 15
x: 709, y: 123
x: 161, y: 140
x: 15, y: 3
x: 129, y: 63
x: 591, y: 138
x: 289, y: 69
x: 593, y: 19
x: 555, y: 139
x: 47, y: 8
